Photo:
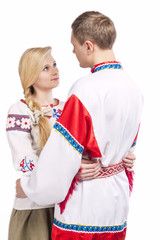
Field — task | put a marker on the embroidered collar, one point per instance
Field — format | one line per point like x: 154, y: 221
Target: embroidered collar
x: 106, y: 65
x: 51, y: 105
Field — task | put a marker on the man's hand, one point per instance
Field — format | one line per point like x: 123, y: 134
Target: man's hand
x: 19, y: 190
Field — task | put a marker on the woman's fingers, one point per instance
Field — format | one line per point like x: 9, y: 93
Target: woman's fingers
x: 128, y: 161
x: 89, y: 170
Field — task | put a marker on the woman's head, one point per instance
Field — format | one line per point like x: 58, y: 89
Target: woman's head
x: 48, y: 77
x: 30, y: 66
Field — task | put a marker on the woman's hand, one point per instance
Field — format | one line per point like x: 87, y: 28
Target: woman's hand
x: 19, y: 190
x: 128, y: 161
x: 89, y: 169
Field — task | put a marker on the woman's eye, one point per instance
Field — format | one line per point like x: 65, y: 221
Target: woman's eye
x: 45, y: 68
x: 54, y: 64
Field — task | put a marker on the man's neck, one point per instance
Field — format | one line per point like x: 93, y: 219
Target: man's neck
x: 103, y: 56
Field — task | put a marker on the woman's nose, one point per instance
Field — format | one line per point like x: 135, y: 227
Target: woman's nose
x: 54, y: 70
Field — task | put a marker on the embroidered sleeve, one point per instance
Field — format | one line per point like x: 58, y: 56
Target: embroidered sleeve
x: 18, y: 130
x: 54, y: 177
x: 77, y: 123
x: 17, y: 122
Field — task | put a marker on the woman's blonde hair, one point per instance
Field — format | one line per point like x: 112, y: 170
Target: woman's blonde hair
x: 30, y: 66
x: 96, y: 27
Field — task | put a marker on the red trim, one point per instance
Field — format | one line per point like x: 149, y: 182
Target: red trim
x: 58, y: 233
x: 136, y: 134
x: 130, y: 176
x: 77, y: 120
x: 22, y: 101
x: 103, y: 63
x: 52, y: 105
x: 62, y: 205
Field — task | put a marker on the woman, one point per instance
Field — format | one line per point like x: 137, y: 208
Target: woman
x: 28, y: 128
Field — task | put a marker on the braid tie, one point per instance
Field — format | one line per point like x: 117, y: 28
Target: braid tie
x: 46, y: 112
x: 40, y: 121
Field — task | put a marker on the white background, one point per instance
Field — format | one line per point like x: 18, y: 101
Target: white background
x: 33, y: 23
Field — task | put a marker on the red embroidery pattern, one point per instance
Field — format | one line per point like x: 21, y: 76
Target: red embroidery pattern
x: 26, y: 165
x: 110, y: 170
x: 18, y: 122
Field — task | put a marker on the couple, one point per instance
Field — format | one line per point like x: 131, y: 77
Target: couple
x: 99, y: 123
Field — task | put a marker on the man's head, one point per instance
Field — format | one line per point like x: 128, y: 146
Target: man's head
x: 92, y: 31
x: 96, y: 27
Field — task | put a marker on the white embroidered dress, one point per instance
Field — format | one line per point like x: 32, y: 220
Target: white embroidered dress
x: 23, y: 137
x: 101, y: 119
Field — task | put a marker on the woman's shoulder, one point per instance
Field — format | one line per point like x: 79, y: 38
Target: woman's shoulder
x: 58, y: 108
x: 19, y: 118
x: 59, y: 104
x: 20, y: 107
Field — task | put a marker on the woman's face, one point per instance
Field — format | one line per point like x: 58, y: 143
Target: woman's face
x: 49, y: 76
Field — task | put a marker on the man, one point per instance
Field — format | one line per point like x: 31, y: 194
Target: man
x: 100, y: 121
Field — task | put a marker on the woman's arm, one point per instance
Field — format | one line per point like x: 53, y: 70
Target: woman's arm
x: 87, y: 171
x: 19, y: 137
x: 91, y: 170
x: 19, y: 190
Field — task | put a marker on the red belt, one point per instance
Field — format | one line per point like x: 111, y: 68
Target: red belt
x: 110, y: 170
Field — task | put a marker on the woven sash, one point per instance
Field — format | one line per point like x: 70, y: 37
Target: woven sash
x: 110, y: 170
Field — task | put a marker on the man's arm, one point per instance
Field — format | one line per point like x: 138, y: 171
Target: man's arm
x: 61, y: 157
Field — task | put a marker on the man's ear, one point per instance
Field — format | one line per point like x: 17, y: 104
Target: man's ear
x: 89, y: 46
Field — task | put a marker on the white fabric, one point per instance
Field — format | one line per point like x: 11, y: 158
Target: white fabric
x: 26, y: 144
x: 115, y: 104
x: 55, y: 173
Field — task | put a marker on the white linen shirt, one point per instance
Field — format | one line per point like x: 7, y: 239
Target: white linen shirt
x: 23, y: 137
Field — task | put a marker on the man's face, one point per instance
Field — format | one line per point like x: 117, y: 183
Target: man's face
x: 80, y: 51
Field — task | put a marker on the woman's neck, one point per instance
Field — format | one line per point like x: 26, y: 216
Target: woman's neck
x: 44, y: 98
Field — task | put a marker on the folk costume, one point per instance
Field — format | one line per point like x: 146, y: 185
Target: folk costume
x: 28, y: 219
x: 100, y: 120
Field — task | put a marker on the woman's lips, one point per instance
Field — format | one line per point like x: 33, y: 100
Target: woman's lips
x: 55, y: 79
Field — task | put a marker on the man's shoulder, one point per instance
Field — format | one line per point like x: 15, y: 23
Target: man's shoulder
x: 80, y: 85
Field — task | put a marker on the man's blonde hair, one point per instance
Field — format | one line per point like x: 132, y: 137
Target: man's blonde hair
x: 96, y: 27
x: 30, y: 66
